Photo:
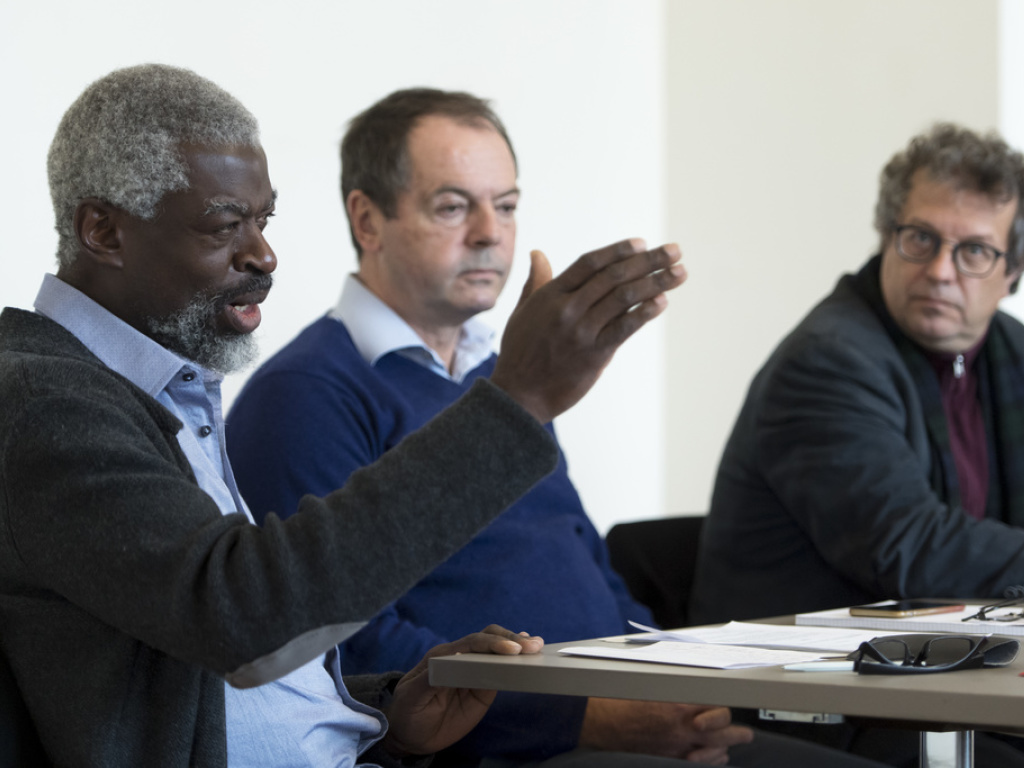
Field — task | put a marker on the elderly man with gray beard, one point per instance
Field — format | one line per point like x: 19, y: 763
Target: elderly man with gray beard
x: 146, y: 620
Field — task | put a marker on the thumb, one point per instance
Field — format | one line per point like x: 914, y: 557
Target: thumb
x: 540, y: 273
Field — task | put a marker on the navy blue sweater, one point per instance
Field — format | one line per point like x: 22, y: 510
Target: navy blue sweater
x: 316, y: 412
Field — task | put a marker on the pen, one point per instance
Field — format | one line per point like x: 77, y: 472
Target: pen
x: 821, y: 666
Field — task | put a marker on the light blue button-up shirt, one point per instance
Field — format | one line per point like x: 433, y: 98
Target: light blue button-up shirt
x: 376, y: 330
x: 306, y: 718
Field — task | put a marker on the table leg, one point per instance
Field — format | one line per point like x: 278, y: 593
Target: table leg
x: 954, y: 749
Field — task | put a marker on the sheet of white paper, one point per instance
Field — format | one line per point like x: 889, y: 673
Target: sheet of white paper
x: 761, y: 635
x: 695, y: 655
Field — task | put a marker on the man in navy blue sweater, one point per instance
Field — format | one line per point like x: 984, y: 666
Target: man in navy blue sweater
x: 429, y: 180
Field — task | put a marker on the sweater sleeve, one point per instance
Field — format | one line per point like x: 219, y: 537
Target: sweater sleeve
x: 100, y: 508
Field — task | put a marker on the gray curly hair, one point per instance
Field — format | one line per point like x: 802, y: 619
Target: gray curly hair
x: 980, y: 163
x: 121, y: 141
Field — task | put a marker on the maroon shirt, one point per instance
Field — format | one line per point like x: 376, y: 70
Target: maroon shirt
x: 958, y: 381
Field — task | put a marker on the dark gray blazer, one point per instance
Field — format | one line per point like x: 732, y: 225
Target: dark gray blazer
x: 823, y: 495
x: 127, y: 598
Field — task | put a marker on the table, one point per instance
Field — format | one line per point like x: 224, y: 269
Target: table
x: 960, y: 702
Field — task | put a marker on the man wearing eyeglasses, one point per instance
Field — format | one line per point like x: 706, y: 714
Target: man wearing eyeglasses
x: 880, y: 451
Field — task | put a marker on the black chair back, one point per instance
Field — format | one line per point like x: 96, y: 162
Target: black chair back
x: 657, y: 560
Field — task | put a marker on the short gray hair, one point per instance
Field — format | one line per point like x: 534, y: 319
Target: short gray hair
x: 121, y: 141
x: 979, y: 163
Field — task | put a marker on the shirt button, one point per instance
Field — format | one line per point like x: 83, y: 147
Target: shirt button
x: 188, y: 376
x: 205, y: 431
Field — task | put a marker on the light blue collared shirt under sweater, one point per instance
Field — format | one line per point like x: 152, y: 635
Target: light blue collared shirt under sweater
x: 306, y: 718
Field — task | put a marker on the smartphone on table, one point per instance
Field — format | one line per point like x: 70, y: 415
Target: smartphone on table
x: 900, y: 609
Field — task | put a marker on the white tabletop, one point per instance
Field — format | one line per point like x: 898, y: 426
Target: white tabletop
x: 992, y: 699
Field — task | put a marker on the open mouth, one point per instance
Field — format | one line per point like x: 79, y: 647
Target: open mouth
x: 241, y: 306
x: 243, y: 318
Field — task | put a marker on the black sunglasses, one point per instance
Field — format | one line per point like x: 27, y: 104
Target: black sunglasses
x: 903, y: 655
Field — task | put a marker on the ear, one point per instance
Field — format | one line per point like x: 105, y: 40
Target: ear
x: 1013, y: 279
x: 98, y: 227
x: 365, y: 218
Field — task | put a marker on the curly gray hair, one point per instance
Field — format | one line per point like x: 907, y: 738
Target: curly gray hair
x: 980, y: 163
x: 121, y: 141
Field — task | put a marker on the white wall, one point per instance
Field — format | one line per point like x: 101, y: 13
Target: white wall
x: 1011, y: 96
x: 578, y: 82
x: 780, y: 116
x: 751, y: 132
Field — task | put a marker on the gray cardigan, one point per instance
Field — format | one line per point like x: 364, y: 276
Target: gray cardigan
x: 126, y: 597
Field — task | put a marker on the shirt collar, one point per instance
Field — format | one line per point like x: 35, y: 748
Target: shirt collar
x: 377, y: 330
x: 120, y: 347
x: 945, y: 363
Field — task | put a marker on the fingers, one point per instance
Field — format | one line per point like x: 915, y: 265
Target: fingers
x: 708, y: 756
x: 540, y: 274
x: 620, y: 275
x: 716, y: 729
x: 493, y: 639
x: 620, y: 268
x: 623, y: 297
x: 565, y: 330
x: 540, y: 271
x: 727, y: 737
x: 615, y: 291
x: 593, y: 262
x: 527, y: 643
x: 712, y: 718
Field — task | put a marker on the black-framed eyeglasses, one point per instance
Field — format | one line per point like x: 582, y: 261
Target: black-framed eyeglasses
x: 943, y: 653
x: 919, y: 245
x: 983, y: 614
